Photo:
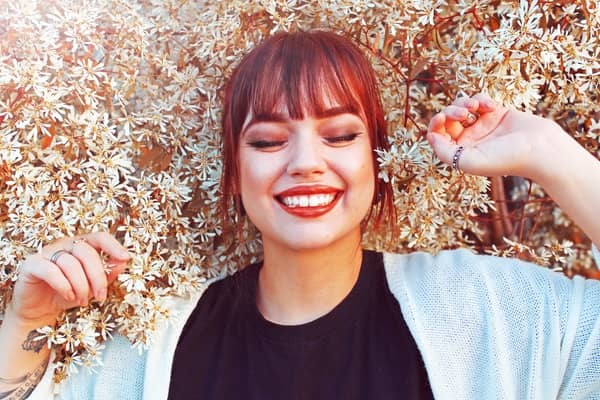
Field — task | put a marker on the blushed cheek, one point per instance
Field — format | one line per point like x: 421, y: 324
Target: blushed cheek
x: 246, y: 182
x: 255, y: 174
x: 365, y: 180
x: 370, y: 186
x: 255, y: 178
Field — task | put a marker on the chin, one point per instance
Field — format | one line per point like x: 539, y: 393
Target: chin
x: 304, y: 241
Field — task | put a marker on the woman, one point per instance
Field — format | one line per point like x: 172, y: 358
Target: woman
x: 319, y: 317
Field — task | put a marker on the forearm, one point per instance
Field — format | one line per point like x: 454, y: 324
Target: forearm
x: 571, y: 176
x: 23, y: 360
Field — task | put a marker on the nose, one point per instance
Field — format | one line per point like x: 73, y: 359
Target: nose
x: 306, y: 158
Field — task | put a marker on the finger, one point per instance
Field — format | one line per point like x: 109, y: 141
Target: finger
x: 437, y: 124
x: 443, y: 146
x: 485, y: 102
x: 442, y: 125
x: 453, y: 123
x: 41, y: 269
x: 93, y: 267
x: 103, y: 241
x: 114, y: 269
x: 74, y: 272
x: 456, y: 113
x: 469, y: 103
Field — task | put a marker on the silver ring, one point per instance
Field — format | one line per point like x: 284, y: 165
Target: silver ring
x: 74, y: 242
x: 469, y: 120
x: 56, y: 255
x: 456, y: 158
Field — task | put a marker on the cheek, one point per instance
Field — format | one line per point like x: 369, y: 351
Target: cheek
x: 368, y: 180
x: 256, y: 176
x: 361, y: 176
x: 367, y: 172
x: 249, y: 178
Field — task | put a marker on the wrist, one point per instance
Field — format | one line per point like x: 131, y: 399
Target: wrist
x: 553, y: 155
x: 16, y: 323
x: 22, y: 351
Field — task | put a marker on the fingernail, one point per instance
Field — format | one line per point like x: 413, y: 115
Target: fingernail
x: 125, y: 254
x: 71, y: 296
x: 101, y: 295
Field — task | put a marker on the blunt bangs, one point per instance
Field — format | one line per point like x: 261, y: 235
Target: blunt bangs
x: 303, y: 79
x: 299, y: 74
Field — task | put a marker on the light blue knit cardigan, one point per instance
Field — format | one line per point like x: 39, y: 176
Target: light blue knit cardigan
x: 487, y: 328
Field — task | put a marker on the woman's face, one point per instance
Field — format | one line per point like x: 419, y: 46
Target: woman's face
x: 307, y: 183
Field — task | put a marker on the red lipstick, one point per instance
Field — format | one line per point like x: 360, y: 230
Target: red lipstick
x: 308, y: 211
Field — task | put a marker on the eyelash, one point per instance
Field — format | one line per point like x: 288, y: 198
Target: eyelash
x: 344, y: 138
x: 265, y: 144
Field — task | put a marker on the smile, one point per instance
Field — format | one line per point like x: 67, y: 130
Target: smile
x: 313, y: 200
x: 308, y: 201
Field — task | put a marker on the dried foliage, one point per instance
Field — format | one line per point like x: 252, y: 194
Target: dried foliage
x: 109, y: 120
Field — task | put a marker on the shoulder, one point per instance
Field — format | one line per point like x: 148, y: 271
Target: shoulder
x: 464, y: 270
x: 495, y: 315
x: 474, y: 290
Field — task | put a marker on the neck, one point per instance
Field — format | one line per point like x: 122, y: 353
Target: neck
x: 298, y: 286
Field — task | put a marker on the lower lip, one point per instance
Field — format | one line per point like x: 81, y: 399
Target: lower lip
x: 310, y: 212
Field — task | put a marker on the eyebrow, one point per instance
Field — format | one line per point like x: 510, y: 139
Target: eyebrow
x: 281, y: 117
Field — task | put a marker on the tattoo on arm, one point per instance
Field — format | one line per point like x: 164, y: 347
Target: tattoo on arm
x: 34, y: 342
x: 25, y: 389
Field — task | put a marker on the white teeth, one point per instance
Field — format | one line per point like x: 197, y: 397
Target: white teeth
x: 314, y: 200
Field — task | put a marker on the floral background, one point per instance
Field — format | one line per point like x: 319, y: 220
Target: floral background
x: 109, y: 120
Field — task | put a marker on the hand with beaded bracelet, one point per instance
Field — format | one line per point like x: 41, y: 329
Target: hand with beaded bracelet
x: 481, y: 137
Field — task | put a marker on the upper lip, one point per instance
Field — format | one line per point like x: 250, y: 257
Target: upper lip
x: 307, y: 190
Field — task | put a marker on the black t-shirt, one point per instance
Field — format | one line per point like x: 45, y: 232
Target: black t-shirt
x: 362, y: 349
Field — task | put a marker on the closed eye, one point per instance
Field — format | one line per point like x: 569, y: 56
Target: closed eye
x: 266, y: 144
x: 342, y: 139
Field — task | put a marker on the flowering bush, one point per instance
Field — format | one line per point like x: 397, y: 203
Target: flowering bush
x: 109, y: 120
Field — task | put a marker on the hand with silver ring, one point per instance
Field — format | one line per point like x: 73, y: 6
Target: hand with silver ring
x: 66, y: 273
x: 458, y: 134
x: 481, y: 137
x: 54, y: 257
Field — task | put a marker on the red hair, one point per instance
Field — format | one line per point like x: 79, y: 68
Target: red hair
x: 292, y: 70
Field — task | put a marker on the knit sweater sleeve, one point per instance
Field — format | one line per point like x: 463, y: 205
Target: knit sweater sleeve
x: 124, y: 371
x: 495, y: 328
